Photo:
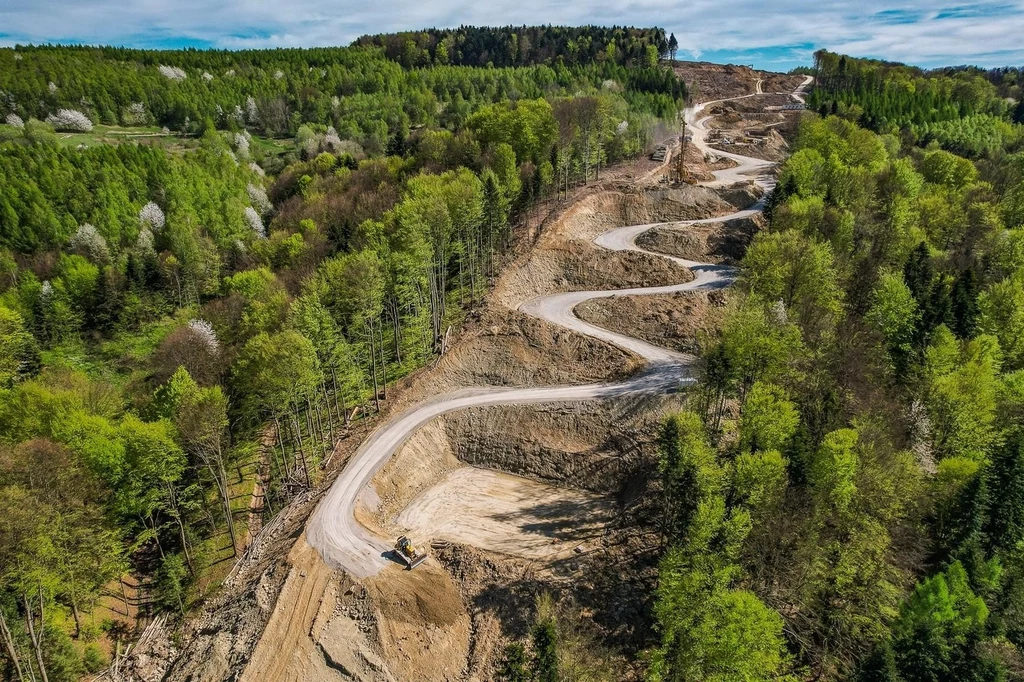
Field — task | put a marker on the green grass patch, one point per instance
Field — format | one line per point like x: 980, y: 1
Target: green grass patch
x: 104, y: 134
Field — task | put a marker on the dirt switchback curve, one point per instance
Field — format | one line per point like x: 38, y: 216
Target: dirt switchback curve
x: 345, y: 543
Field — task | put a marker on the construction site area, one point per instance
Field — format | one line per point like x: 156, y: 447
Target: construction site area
x: 524, y: 461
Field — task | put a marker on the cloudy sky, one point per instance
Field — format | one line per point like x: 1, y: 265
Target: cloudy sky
x: 775, y: 34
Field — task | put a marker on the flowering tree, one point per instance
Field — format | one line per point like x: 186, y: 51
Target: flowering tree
x: 259, y: 199
x: 242, y: 144
x: 14, y: 120
x: 144, y: 243
x: 195, y: 347
x: 251, y: 111
x: 88, y: 242
x: 173, y: 73
x: 152, y: 216
x: 135, y: 114
x: 252, y: 218
x: 331, y: 140
x: 204, y: 333
x: 70, y: 120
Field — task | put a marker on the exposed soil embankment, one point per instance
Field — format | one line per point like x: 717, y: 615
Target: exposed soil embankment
x: 596, y: 446
x: 711, y: 242
x: 603, y: 447
x: 556, y: 495
x: 709, y: 81
x: 675, y: 321
x: 566, y: 259
x: 513, y: 349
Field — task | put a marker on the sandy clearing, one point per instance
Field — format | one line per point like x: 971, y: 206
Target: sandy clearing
x: 508, y: 514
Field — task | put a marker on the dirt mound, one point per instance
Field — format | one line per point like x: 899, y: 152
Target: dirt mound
x: 712, y: 242
x: 708, y: 81
x: 675, y: 321
x: 422, y: 625
x: 324, y: 626
x: 508, y: 348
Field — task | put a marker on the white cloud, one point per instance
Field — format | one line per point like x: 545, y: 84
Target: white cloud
x: 918, y: 31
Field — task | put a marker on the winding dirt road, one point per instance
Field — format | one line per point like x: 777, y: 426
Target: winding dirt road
x: 345, y: 543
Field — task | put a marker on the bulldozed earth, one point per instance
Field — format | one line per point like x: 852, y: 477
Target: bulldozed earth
x: 515, y: 500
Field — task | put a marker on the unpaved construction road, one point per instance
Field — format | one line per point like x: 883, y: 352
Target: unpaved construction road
x: 346, y: 544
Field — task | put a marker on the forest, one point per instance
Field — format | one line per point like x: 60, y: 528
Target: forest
x: 359, y: 91
x: 971, y: 112
x: 186, y: 330
x: 845, y: 491
x: 523, y: 45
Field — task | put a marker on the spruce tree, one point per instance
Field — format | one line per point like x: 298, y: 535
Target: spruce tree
x: 545, y: 652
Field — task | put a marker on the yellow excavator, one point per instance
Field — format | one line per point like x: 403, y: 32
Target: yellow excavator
x: 409, y: 554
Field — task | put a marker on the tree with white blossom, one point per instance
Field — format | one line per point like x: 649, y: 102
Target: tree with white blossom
x: 255, y: 223
x: 135, y: 114
x: 331, y: 140
x: 252, y: 113
x: 241, y: 145
x: 144, y: 243
x: 204, y: 333
x: 195, y: 347
x: 14, y: 120
x: 260, y: 200
x: 70, y: 120
x: 173, y: 73
x: 152, y: 216
x: 88, y: 242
